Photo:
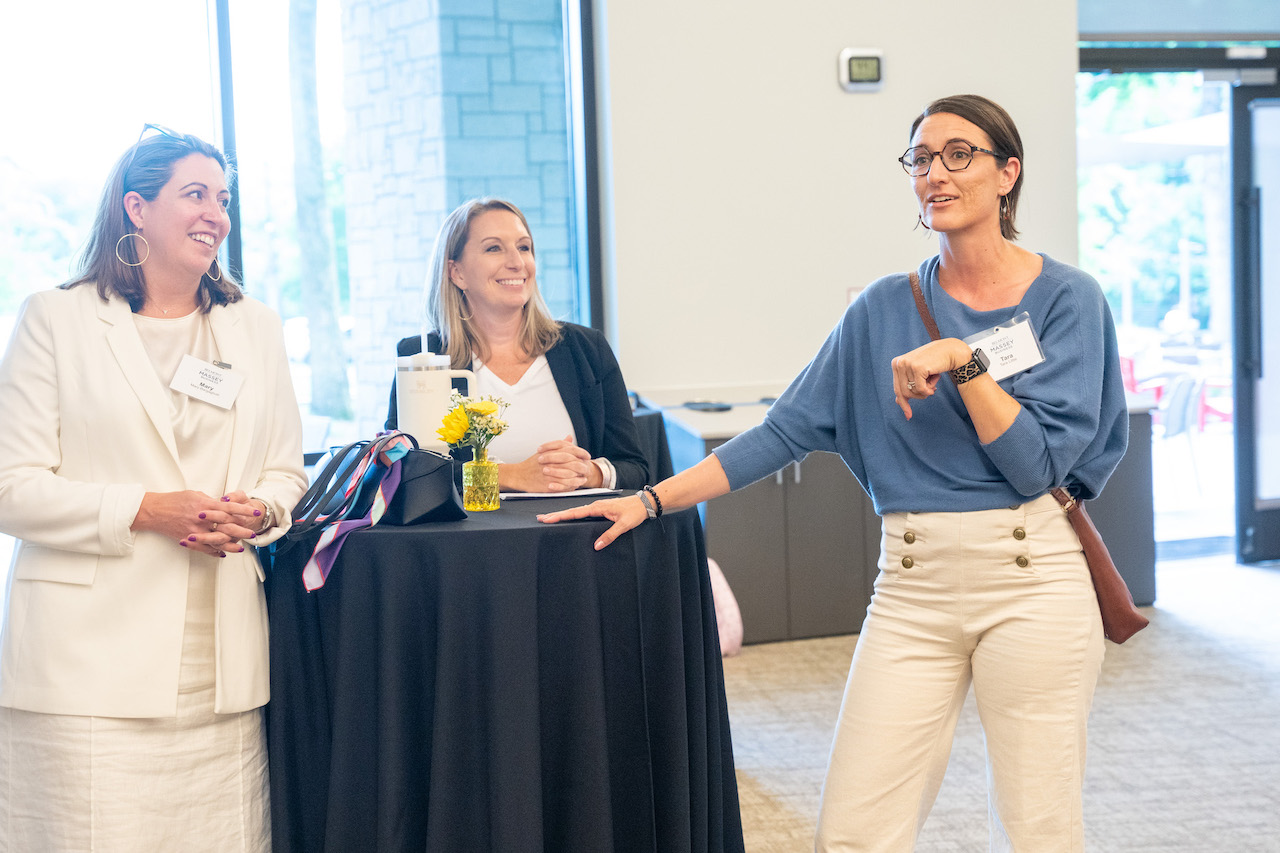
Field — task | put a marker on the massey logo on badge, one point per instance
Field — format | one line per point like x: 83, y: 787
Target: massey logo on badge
x: 215, y: 384
x: 1012, y: 346
x: 210, y: 379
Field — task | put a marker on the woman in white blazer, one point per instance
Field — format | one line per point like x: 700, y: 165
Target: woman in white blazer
x: 151, y: 432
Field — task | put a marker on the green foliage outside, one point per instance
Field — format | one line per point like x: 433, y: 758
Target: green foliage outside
x: 1143, y: 225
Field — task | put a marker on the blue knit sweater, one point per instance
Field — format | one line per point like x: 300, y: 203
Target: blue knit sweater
x: 1072, y: 430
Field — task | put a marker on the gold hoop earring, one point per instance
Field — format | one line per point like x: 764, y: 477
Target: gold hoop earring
x: 218, y: 267
x: 144, y: 242
x: 460, y: 315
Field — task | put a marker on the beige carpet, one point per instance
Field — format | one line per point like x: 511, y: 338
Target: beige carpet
x: 1184, y: 738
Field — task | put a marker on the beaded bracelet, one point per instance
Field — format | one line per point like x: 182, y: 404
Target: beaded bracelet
x: 657, y: 500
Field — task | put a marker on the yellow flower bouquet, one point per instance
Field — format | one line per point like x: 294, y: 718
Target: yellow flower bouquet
x: 474, y: 423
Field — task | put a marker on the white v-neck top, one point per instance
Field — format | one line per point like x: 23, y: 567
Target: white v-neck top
x: 535, y: 414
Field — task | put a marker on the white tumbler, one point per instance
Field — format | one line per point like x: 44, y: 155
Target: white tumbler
x: 423, y: 386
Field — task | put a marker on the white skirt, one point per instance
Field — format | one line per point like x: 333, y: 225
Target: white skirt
x: 195, y: 782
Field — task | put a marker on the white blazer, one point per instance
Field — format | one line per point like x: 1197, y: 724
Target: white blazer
x: 95, y: 611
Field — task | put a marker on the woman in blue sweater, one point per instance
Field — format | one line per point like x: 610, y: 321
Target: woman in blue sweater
x: 958, y: 441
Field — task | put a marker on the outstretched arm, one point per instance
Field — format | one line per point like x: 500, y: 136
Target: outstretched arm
x: 702, y: 482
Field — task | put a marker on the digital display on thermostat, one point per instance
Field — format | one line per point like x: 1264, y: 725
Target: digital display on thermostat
x: 861, y: 69
x: 864, y: 69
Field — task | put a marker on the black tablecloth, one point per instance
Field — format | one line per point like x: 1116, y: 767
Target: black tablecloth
x: 495, y: 684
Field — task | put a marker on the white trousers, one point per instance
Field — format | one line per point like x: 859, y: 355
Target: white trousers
x: 1001, y: 599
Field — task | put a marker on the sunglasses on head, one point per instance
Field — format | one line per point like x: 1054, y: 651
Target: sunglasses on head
x: 157, y: 128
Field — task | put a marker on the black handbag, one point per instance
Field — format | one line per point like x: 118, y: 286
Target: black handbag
x: 417, y: 486
x: 426, y: 491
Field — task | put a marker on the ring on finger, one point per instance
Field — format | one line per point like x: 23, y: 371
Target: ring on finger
x: 911, y: 386
x: 214, y: 529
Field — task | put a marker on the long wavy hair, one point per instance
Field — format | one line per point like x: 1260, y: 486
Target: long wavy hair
x: 995, y: 123
x: 446, y: 308
x: 144, y: 168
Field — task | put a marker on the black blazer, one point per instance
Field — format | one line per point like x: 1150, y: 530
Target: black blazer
x: 590, y: 383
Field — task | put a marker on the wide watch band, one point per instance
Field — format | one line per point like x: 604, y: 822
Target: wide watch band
x: 972, y: 369
x: 268, y: 518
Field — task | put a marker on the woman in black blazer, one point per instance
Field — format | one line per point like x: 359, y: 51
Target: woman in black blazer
x: 484, y: 305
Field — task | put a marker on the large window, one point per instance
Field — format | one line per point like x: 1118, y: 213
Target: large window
x: 358, y: 126
x: 74, y: 98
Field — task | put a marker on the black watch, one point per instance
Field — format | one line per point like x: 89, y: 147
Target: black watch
x: 975, y: 367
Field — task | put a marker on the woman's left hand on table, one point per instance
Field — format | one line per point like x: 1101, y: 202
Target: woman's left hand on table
x: 626, y: 513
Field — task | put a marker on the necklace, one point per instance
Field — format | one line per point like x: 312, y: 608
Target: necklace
x: 177, y: 310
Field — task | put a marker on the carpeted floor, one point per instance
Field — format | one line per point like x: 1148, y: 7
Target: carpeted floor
x: 1184, y: 737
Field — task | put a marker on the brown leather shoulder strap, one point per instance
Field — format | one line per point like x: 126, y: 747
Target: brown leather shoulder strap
x: 921, y: 307
x: 1063, y: 497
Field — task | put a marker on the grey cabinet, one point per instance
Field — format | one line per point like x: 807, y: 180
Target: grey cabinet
x: 798, y: 548
x: 1125, y: 513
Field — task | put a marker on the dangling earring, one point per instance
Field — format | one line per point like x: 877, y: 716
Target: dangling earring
x: 1004, y: 207
x: 460, y: 307
x: 920, y: 223
x: 218, y: 268
x: 144, y: 242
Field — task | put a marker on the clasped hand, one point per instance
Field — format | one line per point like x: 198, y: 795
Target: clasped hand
x: 199, y: 522
x: 557, y: 466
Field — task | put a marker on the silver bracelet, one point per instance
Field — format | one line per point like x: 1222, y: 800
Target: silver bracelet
x: 648, y: 503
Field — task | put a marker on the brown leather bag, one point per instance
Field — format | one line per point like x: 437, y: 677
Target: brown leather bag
x: 1120, y: 617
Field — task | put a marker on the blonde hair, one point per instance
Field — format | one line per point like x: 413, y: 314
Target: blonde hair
x: 446, y: 305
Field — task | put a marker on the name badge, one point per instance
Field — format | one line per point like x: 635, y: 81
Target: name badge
x: 213, y: 383
x: 1012, y: 347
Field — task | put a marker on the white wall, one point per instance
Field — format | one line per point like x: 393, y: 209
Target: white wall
x: 745, y: 192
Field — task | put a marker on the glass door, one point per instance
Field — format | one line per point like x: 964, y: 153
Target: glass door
x: 1155, y: 230
x: 1256, y: 155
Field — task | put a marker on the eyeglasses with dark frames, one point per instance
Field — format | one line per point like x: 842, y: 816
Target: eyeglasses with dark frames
x: 956, y: 157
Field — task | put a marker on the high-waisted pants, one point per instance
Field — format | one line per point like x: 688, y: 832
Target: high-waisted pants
x: 998, y: 598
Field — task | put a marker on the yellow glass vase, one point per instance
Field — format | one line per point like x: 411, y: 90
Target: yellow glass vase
x: 480, y: 483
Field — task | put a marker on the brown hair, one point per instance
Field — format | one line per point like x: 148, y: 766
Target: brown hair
x: 144, y: 168
x: 445, y: 303
x: 995, y: 123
